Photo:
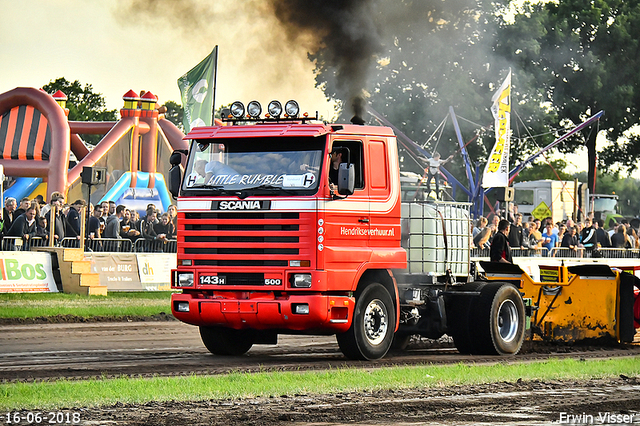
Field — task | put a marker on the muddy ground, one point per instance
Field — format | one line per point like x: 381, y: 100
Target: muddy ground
x: 64, y: 349
x: 520, y: 403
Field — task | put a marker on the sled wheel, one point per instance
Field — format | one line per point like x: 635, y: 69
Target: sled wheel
x: 499, y: 315
x: 227, y: 341
x: 372, y: 327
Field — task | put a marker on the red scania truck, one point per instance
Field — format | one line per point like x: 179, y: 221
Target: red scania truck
x: 268, y: 246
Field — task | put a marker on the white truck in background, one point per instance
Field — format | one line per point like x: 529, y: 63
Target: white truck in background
x: 561, y: 200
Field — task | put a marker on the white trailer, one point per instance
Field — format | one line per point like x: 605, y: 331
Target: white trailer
x: 562, y: 199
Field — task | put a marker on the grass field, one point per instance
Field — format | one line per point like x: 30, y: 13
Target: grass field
x: 87, y: 393
x: 116, y: 304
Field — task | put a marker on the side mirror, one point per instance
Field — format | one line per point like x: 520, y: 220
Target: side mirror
x: 175, y: 179
x: 346, y: 179
x: 176, y: 157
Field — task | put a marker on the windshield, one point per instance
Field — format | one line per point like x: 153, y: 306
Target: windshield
x: 605, y: 204
x: 253, y: 166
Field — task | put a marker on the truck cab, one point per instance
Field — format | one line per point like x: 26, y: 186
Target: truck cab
x: 267, y: 245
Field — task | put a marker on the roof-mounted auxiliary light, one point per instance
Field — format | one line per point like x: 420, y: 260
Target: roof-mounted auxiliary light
x: 291, y: 108
x: 237, y: 113
x: 237, y: 109
x: 275, y: 109
x: 254, y: 109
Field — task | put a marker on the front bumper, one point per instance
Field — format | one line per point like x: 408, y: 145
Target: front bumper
x: 326, y: 314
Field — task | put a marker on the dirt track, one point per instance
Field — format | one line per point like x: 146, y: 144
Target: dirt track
x: 46, y: 351
x: 525, y: 403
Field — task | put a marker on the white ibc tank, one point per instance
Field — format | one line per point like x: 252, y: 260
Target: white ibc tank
x: 436, y: 237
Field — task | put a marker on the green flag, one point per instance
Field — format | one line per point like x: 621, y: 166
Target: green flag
x: 197, y: 88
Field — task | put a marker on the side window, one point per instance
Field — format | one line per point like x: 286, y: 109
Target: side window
x: 379, y: 175
x: 355, y: 157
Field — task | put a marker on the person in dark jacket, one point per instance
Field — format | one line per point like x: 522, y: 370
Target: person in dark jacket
x: 516, y: 237
x: 588, y: 236
x: 165, y: 229
x: 147, y: 223
x: 8, y: 213
x: 128, y: 227
x: 41, y: 229
x: 148, y: 233
x: 500, y: 250
x: 602, y: 234
x: 72, y: 230
x: 620, y: 238
x: 570, y: 239
x: 24, y: 226
x: 57, y: 201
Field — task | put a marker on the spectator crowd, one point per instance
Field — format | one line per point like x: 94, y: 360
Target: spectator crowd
x: 543, y: 236
x: 32, y: 218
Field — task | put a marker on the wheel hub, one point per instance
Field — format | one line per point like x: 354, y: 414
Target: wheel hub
x: 508, y: 320
x: 375, y: 322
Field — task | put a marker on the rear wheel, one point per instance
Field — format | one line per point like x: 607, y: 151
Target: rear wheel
x: 372, y: 327
x: 227, y: 341
x: 460, y: 317
x: 500, y: 318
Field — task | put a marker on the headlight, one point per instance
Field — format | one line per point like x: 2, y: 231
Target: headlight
x: 254, y: 109
x: 300, y: 308
x: 291, y: 108
x: 182, y: 306
x: 275, y: 109
x: 185, y: 279
x: 301, y: 281
x: 237, y: 109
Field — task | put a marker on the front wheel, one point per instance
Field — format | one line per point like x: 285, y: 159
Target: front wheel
x: 372, y: 327
x: 227, y: 341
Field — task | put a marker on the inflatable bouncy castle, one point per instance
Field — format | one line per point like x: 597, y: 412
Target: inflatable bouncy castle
x: 37, y: 140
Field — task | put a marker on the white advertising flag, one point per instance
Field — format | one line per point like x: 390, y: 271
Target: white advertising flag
x: 496, y: 172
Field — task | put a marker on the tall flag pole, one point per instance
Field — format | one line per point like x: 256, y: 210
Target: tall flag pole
x: 496, y: 172
x: 197, y: 90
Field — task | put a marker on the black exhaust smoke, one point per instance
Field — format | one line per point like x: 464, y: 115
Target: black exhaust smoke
x: 345, y: 37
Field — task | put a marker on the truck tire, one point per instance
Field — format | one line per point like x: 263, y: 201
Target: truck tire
x: 500, y: 320
x: 460, y: 316
x: 372, y: 327
x: 227, y: 341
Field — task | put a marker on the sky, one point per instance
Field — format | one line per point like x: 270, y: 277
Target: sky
x: 119, y: 45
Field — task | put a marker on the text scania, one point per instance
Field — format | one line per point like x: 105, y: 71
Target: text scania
x: 239, y: 205
x: 12, y: 270
x: 375, y: 232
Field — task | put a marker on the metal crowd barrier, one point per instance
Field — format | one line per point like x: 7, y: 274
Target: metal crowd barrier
x: 20, y: 244
x: 155, y: 246
x: 565, y: 252
x: 105, y: 245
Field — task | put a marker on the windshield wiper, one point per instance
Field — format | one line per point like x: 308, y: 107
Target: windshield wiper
x: 204, y: 185
x: 269, y: 187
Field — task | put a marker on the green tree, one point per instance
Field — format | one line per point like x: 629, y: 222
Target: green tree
x: 440, y: 56
x: 83, y: 104
x: 542, y: 170
x: 579, y: 57
x: 175, y: 114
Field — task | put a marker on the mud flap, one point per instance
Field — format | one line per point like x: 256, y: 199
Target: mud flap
x: 627, y: 328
